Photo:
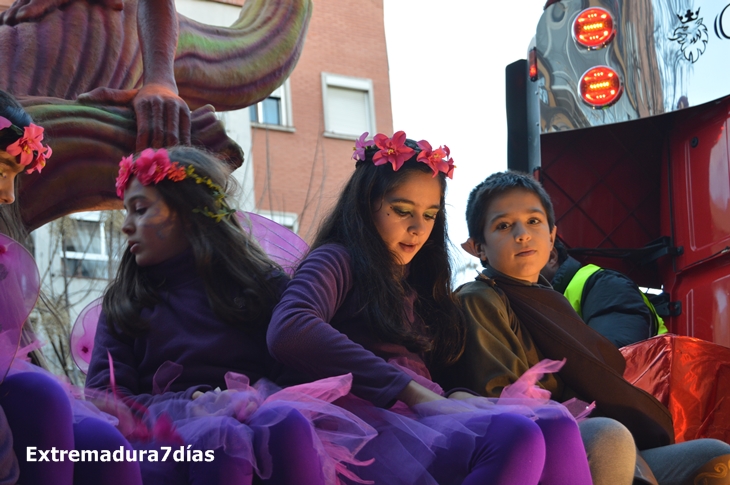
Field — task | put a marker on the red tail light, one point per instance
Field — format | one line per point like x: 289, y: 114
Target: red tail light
x: 593, y: 28
x: 600, y: 87
x: 533, y: 64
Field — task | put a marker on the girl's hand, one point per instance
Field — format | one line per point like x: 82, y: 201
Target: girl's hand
x: 415, y: 393
x: 196, y: 395
x: 461, y: 396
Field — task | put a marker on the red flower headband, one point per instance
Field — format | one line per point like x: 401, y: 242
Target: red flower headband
x: 151, y: 167
x: 154, y: 166
x: 33, y: 154
x: 395, y: 151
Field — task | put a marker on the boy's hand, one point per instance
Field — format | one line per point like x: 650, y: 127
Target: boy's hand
x: 415, y: 393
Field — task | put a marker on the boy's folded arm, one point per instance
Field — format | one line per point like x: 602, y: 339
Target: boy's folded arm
x: 493, y: 356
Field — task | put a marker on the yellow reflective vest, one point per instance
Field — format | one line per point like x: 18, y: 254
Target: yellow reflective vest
x: 574, y: 293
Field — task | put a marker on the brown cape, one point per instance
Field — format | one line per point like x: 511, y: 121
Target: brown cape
x: 594, y: 367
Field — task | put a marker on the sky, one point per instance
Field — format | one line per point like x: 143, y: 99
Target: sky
x: 447, y: 61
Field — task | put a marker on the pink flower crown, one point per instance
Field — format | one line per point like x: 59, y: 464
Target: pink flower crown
x: 154, y: 166
x: 394, y: 150
x: 33, y: 154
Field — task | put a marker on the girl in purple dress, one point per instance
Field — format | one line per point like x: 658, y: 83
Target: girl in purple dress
x: 373, y: 299
x: 38, y: 409
x: 186, y: 314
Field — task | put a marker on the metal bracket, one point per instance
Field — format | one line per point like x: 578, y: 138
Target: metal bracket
x: 664, y: 248
x: 664, y: 307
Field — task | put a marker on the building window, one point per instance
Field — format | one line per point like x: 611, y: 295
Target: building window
x: 349, y: 109
x: 89, y: 244
x: 274, y: 110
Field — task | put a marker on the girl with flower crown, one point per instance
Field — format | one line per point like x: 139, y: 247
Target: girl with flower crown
x: 185, y: 317
x: 39, y: 410
x: 373, y: 298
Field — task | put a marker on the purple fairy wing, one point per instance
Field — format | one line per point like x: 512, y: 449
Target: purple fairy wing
x: 282, y: 245
x: 19, y: 288
x: 82, y: 334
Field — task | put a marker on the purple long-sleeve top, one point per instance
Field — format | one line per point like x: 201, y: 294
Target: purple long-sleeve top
x: 183, y: 329
x: 321, y: 328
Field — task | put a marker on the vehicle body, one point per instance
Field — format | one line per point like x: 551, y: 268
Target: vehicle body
x: 642, y: 184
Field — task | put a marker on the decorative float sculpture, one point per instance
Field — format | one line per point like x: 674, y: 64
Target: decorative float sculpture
x: 106, y: 77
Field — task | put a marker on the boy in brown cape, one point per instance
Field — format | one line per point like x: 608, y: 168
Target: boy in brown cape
x: 515, y: 319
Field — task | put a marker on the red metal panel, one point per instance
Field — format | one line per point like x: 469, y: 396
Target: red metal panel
x: 605, y: 185
x: 704, y: 292
x: 701, y: 184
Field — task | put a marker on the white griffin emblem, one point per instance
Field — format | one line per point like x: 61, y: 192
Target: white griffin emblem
x: 691, y: 35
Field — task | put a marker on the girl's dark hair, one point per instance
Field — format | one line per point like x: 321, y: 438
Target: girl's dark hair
x: 351, y: 224
x: 239, y: 278
x: 10, y: 222
x: 14, y: 112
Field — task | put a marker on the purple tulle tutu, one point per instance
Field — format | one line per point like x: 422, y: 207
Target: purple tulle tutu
x: 237, y: 419
x: 410, y: 439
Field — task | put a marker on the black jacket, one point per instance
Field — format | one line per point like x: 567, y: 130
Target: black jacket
x: 611, y: 304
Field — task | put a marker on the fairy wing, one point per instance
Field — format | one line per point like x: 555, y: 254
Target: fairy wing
x: 82, y: 334
x: 281, y: 244
x: 19, y: 288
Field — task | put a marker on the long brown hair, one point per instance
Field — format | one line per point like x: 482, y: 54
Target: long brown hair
x: 239, y: 278
x: 351, y: 224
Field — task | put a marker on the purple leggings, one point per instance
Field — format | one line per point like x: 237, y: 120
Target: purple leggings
x: 294, y: 461
x: 39, y: 415
x: 512, y: 452
x: 94, y: 434
x: 505, y: 449
x: 293, y: 456
x: 566, y: 462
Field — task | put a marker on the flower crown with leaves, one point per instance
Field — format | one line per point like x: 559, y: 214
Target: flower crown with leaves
x: 33, y: 154
x: 154, y: 166
x: 394, y: 150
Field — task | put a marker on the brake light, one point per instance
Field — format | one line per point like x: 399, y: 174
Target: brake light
x: 533, y: 64
x: 593, y: 28
x: 600, y: 87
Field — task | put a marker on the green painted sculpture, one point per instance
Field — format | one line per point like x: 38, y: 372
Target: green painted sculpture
x: 108, y: 77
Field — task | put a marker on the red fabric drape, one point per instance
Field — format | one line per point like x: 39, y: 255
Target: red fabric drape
x: 688, y: 375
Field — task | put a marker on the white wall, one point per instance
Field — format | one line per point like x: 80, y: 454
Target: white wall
x: 238, y: 125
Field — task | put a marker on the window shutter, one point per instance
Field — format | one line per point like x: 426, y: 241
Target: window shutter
x: 348, y: 111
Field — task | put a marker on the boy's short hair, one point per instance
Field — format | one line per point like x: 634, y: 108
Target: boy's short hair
x: 495, y: 185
